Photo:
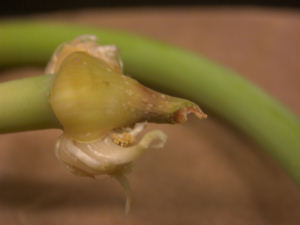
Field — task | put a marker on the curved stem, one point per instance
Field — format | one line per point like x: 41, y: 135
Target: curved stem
x: 175, y: 71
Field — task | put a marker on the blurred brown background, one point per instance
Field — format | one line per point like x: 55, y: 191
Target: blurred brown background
x: 208, y: 173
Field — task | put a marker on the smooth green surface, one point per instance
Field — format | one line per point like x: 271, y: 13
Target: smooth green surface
x: 176, y: 71
x: 24, y: 105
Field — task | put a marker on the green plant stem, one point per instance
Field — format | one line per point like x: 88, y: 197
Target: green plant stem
x: 167, y: 68
x: 24, y: 105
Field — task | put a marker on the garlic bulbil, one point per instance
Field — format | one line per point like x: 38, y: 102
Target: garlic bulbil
x: 102, y: 111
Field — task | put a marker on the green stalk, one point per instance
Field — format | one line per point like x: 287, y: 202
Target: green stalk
x: 162, y: 66
x: 24, y: 105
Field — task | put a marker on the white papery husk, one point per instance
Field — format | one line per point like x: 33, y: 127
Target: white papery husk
x: 104, y: 156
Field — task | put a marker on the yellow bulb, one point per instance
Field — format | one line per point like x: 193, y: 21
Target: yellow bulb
x: 89, y: 98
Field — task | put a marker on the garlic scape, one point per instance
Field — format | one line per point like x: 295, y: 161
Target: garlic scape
x: 102, y: 111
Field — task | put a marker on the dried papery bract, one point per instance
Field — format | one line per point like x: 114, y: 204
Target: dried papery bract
x: 102, y: 111
x: 89, y: 44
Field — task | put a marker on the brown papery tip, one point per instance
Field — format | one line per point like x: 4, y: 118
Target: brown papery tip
x: 181, y: 115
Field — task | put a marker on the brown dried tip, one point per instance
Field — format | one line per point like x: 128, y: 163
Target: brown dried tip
x: 181, y: 115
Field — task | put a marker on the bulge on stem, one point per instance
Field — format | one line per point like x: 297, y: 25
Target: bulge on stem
x: 102, y: 111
